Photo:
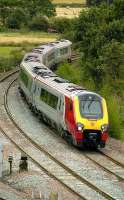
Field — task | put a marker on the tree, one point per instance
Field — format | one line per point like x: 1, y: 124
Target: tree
x: 113, y: 60
x: 35, y: 7
x: 39, y: 23
x: 97, y: 2
x: 16, y: 19
x: 30, y: 8
x: 99, y: 34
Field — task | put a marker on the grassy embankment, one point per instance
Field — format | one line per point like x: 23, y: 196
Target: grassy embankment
x: 13, y: 45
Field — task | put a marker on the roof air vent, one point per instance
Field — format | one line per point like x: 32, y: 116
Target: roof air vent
x: 38, y: 69
x: 31, y: 58
x: 60, y: 80
x: 72, y: 88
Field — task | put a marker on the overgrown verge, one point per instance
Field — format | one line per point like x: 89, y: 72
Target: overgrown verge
x: 9, y: 62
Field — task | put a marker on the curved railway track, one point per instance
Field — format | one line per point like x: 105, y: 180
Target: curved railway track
x: 24, y: 140
x: 68, y: 172
x: 112, y: 159
x: 109, y: 159
x: 91, y: 158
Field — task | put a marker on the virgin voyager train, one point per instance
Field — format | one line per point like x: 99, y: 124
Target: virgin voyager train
x: 79, y: 115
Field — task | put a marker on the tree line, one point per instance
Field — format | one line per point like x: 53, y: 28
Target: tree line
x: 98, y: 35
x: 17, y: 13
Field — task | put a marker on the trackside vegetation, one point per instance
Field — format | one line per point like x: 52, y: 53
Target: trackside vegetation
x: 98, y: 34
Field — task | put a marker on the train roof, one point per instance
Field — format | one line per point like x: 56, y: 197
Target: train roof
x: 45, y: 75
x: 37, y: 52
x: 32, y: 64
x: 59, y: 84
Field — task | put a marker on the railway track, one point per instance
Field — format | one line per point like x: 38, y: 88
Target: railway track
x: 58, y: 168
x: 74, y: 175
x: 110, y: 165
x: 48, y: 165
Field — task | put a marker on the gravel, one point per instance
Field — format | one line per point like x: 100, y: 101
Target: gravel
x: 58, y: 147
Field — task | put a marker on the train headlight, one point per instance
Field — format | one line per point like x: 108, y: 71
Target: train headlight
x: 104, y: 127
x: 80, y: 126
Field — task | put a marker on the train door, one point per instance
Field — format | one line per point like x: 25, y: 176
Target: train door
x: 61, y: 111
x: 33, y: 91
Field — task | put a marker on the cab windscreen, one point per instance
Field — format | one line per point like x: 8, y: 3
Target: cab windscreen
x: 90, y: 106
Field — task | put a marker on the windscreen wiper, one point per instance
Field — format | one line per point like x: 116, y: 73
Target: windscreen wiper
x: 91, y: 103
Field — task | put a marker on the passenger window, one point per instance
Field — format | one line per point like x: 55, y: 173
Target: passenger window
x: 49, y: 98
x: 50, y: 57
x: 24, y: 77
x: 29, y: 84
x: 64, y: 51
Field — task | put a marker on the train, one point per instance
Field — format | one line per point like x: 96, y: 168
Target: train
x: 80, y: 116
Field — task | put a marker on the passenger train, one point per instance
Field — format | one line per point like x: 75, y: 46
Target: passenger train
x: 79, y: 115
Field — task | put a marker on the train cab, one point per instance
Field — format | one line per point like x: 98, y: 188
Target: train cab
x: 91, y: 118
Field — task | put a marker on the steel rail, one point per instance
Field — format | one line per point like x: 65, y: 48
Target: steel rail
x: 12, y: 72
x: 105, y: 168
x: 112, y: 159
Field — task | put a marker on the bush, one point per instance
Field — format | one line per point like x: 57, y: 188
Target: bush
x: 114, y: 105
x: 39, y: 23
x: 7, y: 63
x: 67, y: 71
x: 16, y: 19
x: 61, y: 25
x: 16, y: 56
x: 114, y: 116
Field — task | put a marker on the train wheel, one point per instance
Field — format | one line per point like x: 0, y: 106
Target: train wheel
x: 32, y: 108
x: 21, y: 92
x: 34, y: 111
x: 62, y: 133
x: 69, y: 139
x: 102, y: 144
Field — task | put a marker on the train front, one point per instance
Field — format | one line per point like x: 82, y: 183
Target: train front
x: 91, y: 120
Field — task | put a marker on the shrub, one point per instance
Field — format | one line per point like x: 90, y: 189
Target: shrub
x: 67, y: 71
x: 39, y: 23
x: 114, y: 115
x: 16, y: 19
x: 5, y: 64
x: 113, y: 103
x: 16, y: 56
x: 61, y: 24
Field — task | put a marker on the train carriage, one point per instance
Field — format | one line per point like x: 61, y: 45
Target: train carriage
x: 80, y: 115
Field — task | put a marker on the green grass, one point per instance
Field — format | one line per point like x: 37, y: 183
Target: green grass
x: 26, y: 38
x: 37, y: 34
x: 6, y: 50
